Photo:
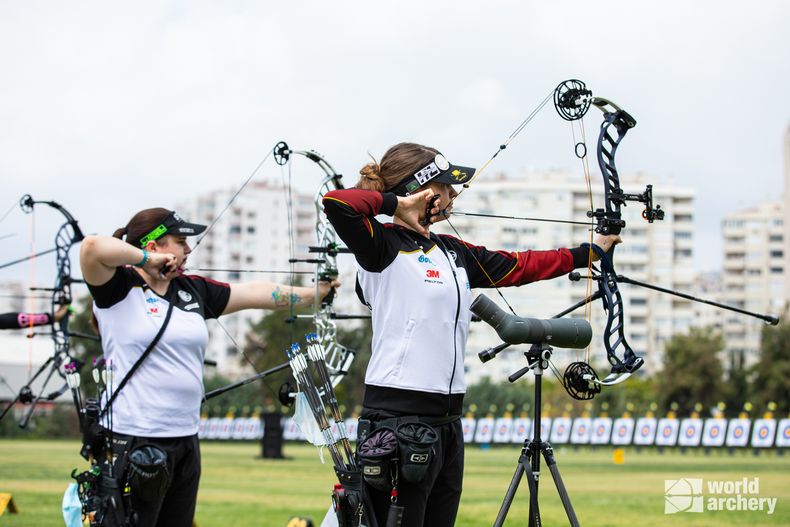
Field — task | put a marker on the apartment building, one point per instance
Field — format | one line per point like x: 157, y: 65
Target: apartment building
x: 753, y: 277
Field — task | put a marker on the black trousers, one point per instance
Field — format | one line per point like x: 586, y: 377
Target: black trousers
x: 177, y: 507
x: 434, y: 501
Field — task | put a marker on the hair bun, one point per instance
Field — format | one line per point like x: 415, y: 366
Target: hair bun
x: 371, y: 171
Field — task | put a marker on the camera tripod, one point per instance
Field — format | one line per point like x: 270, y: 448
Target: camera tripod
x: 529, y: 461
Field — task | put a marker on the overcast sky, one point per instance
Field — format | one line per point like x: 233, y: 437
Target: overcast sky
x: 110, y: 107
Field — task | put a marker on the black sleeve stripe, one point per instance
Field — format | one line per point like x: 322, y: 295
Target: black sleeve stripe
x: 115, y: 289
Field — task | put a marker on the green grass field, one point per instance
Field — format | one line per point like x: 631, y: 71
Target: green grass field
x: 240, y: 489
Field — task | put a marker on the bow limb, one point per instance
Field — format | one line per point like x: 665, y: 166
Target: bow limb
x: 338, y: 357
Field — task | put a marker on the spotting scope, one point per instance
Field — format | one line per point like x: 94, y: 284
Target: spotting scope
x: 558, y: 332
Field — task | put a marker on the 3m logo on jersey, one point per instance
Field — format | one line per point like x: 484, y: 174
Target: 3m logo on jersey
x: 432, y: 277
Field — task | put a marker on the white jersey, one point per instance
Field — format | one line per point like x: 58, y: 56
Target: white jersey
x: 162, y: 398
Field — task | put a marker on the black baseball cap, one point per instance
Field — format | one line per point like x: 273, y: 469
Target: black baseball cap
x: 172, y: 224
x: 439, y: 170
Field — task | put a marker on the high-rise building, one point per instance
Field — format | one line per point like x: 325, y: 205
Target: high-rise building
x: 754, y: 273
x: 661, y: 253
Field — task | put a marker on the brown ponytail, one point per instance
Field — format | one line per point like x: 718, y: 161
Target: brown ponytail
x: 141, y: 224
x: 399, y: 162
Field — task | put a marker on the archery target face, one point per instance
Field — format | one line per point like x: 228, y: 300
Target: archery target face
x: 645, y: 431
x: 623, y: 431
x: 580, y: 433
x: 764, y: 433
x: 485, y: 430
x: 690, y: 432
x: 522, y: 427
x: 468, y: 427
x: 668, y: 432
x: 714, y: 432
x: 738, y: 432
x: 545, y: 426
x: 601, y: 430
x: 783, y: 437
x: 504, y: 426
x: 561, y: 430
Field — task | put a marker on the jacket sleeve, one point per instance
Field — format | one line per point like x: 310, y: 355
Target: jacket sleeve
x: 352, y: 213
x: 487, y: 268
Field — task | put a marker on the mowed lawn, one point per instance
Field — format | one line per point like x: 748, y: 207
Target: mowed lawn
x: 240, y: 489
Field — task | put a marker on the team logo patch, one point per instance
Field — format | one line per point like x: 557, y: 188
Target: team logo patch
x: 184, y: 296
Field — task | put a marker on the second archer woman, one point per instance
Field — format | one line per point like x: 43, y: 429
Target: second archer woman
x: 152, y: 321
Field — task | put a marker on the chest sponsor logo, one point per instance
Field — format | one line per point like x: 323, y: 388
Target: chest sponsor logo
x: 184, y: 296
x: 432, y: 276
x: 453, y: 255
x: 424, y: 259
x: 154, y: 311
x: 151, y: 300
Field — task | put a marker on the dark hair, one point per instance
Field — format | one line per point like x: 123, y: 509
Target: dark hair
x: 141, y: 224
x: 399, y: 162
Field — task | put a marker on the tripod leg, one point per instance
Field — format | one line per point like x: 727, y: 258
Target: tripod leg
x: 533, y: 472
x: 548, y: 453
x: 511, y: 492
x: 522, y: 468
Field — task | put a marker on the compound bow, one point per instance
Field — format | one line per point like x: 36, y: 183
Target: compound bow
x: 572, y: 100
x: 67, y: 235
x: 338, y: 357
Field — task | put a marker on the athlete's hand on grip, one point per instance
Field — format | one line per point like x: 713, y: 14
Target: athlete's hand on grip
x: 325, y: 287
x: 411, y: 210
x: 160, y: 264
x: 606, y: 243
